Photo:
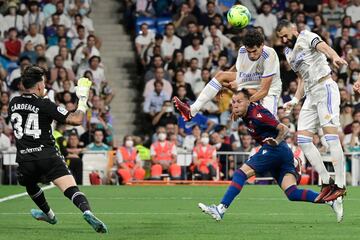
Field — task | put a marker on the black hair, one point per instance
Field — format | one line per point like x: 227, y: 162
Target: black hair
x: 32, y: 75
x: 253, y: 38
x: 283, y: 23
x: 245, y: 92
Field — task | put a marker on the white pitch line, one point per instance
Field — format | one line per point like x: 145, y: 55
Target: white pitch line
x: 10, y: 197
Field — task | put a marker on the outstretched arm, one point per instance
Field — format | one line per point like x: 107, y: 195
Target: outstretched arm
x: 331, y: 54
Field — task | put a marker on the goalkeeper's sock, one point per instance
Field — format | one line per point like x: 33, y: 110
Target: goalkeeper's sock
x: 37, y: 195
x: 208, y: 93
x: 235, y: 187
x: 303, y: 195
x: 78, y: 198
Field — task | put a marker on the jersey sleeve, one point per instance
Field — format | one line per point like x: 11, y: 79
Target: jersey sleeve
x: 55, y: 112
x: 312, y: 39
x: 271, y: 63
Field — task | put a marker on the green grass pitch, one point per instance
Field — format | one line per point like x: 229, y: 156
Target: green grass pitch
x: 171, y: 213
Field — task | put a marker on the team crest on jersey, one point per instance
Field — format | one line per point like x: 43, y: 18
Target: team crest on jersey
x: 62, y: 110
x: 264, y: 151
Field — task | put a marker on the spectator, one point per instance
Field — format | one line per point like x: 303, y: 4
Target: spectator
x: 50, y: 29
x: 207, y: 17
x: 74, y: 157
x: 13, y: 20
x: 204, y: 159
x: 165, y: 116
x: 246, y: 147
x: 157, y: 62
x: 163, y: 156
x: 143, y: 39
x: 170, y: 42
x: 29, y: 52
x: 288, y: 95
x: 151, y: 50
x: 159, y: 76
x: 193, y: 73
x: 59, y: 63
x: 98, y: 144
x: 200, y: 83
x: 80, y: 38
x: 182, y: 18
x: 34, y: 36
x: 177, y: 62
x: 85, y: 52
x: 129, y: 162
x: 60, y: 32
x: 346, y: 115
x: 353, y: 10
x: 319, y: 24
x: 154, y: 101
x: 66, y: 55
x: 196, y: 50
x: 179, y: 80
x: 61, y: 78
x: 34, y: 16
x: 346, y: 22
x: 60, y: 11
x: 202, y: 121
x: 345, y: 38
x: 333, y: 13
x: 16, y: 73
x: 191, y: 140
x: 13, y: 45
x: 52, y: 51
x: 351, y: 141
x: 192, y: 30
x: 266, y: 19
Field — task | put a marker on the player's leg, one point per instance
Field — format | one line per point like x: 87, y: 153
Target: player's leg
x: 208, y: 93
x: 271, y: 102
x: 288, y: 185
x: 307, y: 125
x: 239, y: 178
x: 329, y: 112
x: 27, y: 175
x: 68, y: 186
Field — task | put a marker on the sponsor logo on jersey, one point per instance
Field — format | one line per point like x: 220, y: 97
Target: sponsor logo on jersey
x: 62, y: 110
x: 31, y: 150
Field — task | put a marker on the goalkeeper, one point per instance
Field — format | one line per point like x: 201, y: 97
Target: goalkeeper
x: 39, y: 160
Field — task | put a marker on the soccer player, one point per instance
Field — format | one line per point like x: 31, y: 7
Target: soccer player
x: 306, y: 54
x: 274, y: 156
x: 31, y: 116
x: 257, y: 70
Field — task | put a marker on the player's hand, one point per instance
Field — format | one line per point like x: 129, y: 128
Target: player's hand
x: 338, y: 62
x: 356, y: 86
x: 270, y: 141
x: 83, y: 88
x: 288, y: 106
x: 231, y: 85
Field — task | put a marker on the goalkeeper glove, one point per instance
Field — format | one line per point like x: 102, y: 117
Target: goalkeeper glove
x: 82, y: 92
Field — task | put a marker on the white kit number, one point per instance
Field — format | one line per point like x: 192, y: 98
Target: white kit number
x: 31, y: 125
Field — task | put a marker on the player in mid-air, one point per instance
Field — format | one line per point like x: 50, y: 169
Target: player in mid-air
x: 306, y: 54
x: 257, y: 70
x: 39, y: 160
x: 274, y: 156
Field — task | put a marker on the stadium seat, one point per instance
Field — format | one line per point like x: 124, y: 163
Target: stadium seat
x: 226, y: 3
x: 140, y: 20
x: 310, y: 22
x: 94, y: 161
x: 160, y: 24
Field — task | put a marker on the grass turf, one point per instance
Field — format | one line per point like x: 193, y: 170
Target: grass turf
x: 170, y: 212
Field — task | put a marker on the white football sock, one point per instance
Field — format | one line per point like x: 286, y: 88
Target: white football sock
x: 208, y: 93
x: 337, y: 158
x: 51, y: 214
x: 313, y: 155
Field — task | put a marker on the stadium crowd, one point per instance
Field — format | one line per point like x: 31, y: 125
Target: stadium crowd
x: 180, y: 45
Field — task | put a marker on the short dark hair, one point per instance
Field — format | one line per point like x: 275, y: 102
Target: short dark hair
x: 245, y: 92
x: 32, y: 75
x: 253, y: 38
x: 283, y: 23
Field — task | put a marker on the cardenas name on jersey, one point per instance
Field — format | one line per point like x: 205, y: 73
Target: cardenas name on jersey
x: 250, y: 73
x: 306, y: 60
x: 24, y: 106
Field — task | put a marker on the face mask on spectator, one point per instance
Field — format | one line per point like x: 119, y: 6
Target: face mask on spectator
x: 169, y: 109
x: 162, y: 136
x: 204, y: 140
x: 218, y: 145
x: 129, y: 143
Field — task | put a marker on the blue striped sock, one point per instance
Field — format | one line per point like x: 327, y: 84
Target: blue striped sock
x: 235, y: 187
x: 303, y: 195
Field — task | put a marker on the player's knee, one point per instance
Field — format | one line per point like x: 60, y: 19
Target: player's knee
x: 21, y: 179
x: 304, y: 141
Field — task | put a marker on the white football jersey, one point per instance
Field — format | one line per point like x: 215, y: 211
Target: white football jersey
x: 306, y: 60
x: 250, y: 73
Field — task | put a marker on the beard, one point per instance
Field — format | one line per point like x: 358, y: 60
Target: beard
x: 292, y: 42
